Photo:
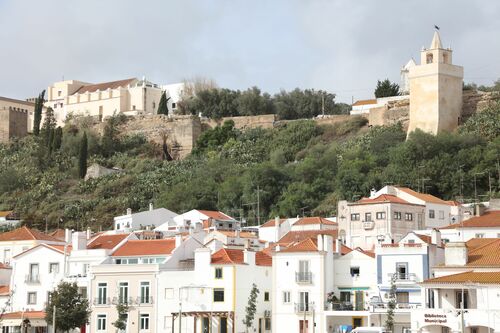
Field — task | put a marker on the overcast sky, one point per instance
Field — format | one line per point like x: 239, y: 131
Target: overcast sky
x: 339, y: 46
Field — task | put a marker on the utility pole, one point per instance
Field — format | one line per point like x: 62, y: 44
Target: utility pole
x: 54, y: 319
x: 258, y: 204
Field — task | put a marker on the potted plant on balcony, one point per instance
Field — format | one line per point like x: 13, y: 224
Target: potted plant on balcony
x: 331, y: 299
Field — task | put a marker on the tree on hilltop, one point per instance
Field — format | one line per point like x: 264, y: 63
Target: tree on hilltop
x: 38, y: 113
x: 386, y: 89
x: 163, y: 105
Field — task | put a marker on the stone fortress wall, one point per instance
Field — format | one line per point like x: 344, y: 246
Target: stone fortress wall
x: 181, y: 132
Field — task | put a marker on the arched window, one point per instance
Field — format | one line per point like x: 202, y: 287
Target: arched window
x: 445, y: 58
x: 430, y: 58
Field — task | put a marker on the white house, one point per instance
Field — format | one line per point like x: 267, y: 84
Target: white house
x: 464, y: 295
x: 273, y: 230
x: 482, y: 226
x: 149, y: 219
x: 210, y: 220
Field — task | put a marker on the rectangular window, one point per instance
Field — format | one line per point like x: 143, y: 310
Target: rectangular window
x: 266, y: 296
x: 34, y: 273
x: 169, y: 293
x: 479, y: 235
x: 402, y: 270
x: 345, y: 296
x: 32, y: 298
x: 123, y: 296
x: 303, y: 301
x: 441, y: 215
x: 368, y: 217
x: 218, y: 273
x: 101, y: 322
x: 144, y: 325
x: 458, y: 297
x: 409, y: 216
x: 402, y: 298
x: 380, y: 215
x: 267, y: 324
x: 102, y: 293
x: 219, y: 295
x: 133, y: 107
x: 6, y: 256
x: 174, y: 105
x: 397, y: 215
x: 355, y: 271
x: 432, y: 214
x: 355, y: 217
x: 54, y: 267
x: 286, y: 297
x: 145, y: 294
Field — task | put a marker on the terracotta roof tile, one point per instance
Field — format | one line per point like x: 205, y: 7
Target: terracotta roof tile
x: 4, y: 290
x: 272, y: 223
x: 150, y: 247
x: 236, y: 257
x: 423, y: 196
x: 365, y: 102
x: 383, y: 198
x: 487, y: 220
x: 467, y: 277
x: 314, y: 220
x: 243, y: 234
x: 306, y: 245
x: 486, y: 255
x: 104, y: 86
x: 104, y: 241
x: 215, y: 215
x: 297, y: 236
x: 25, y: 233
x: 425, y: 238
x: 4, y: 213
x: 59, y: 234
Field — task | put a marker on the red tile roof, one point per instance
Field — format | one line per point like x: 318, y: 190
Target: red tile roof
x: 366, y: 252
x: 297, y: 236
x: 365, y: 102
x: 423, y: 196
x: 4, y: 266
x: 306, y: 245
x: 24, y: 314
x: 152, y: 247
x: 489, y: 219
x: 215, y: 215
x: 484, y: 254
x: 104, y: 86
x: 314, y: 220
x: 467, y: 277
x: 271, y: 223
x: 243, y: 234
x: 104, y: 241
x: 236, y: 257
x: 25, y: 233
x: 5, y: 213
x: 59, y: 234
x: 425, y: 238
x: 383, y: 198
x: 4, y: 290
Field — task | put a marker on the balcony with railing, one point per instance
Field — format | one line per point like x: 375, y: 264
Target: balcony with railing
x: 303, y: 307
x: 131, y: 300
x: 368, y: 225
x: 303, y: 277
x: 403, y: 277
x: 32, y: 279
x: 101, y: 301
x: 344, y: 306
x: 382, y: 307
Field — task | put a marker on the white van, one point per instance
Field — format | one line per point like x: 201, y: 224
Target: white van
x: 372, y: 329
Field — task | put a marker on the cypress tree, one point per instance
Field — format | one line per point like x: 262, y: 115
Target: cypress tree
x: 37, y: 118
x: 49, y: 124
x: 82, y: 160
x: 163, y: 105
x: 56, y: 143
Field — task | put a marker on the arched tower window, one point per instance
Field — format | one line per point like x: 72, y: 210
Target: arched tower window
x: 430, y: 58
x: 445, y: 58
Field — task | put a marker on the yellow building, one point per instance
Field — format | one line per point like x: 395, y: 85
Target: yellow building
x: 435, y: 90
x: 129, y: 96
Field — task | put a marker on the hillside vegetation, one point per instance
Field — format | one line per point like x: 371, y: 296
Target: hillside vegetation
x: 297, y: 168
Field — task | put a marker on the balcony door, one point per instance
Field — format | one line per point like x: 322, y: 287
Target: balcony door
x: 401, y: 270
x: 359, y: 298
x: 459, y: 299
x: 304, y: 301
x: 34, y: 271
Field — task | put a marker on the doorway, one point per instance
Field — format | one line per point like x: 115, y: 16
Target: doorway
x: 303, y: 326
x: 357, y: 322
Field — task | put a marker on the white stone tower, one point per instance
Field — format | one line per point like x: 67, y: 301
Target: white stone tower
x: 405, y: 73
x: 435, y: 90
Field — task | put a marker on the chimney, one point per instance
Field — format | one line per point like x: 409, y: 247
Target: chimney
x: 89, y: 233
x: 277, y: 248
x: 247, y: 243
x: 202, y: 260
x: 79, y: 240
x: 479, y: 209
x: 249, y: 257
x: 338, y: 245
x: 436, y: 237
x: 150, y: 206
x: 277, y: 228
x: 178, y: 240
x: 328, y: 243
x: 320, y: 243
x: 237, y: 233
x: 455, y: 254
x: 373, y: 193
x: 67, y: 235
x: 129, y: 211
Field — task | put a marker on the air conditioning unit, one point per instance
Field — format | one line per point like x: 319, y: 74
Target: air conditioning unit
x: 267, y: 313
